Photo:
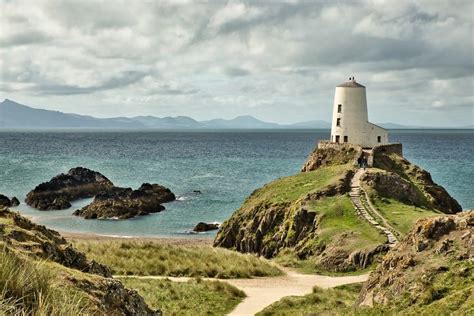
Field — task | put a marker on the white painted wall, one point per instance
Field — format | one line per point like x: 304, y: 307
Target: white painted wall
x: 354, y: 118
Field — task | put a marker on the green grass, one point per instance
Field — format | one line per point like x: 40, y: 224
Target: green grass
x: 338, y: 216
x: 289, y: 189
x: 400, y: 216
x: 195, y: 297
x: 337, y: 301
x: 155, y: 258
x: 29, y: 287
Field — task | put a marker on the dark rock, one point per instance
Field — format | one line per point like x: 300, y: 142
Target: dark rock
x: 5, y: 201
x: 15, y: 201
x: 204, y: 227
x: 123, y: 203
x: 57, y: 193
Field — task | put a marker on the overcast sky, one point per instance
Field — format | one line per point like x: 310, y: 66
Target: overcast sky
x: 278, y: 61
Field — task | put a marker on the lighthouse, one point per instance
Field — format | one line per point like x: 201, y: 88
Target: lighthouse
x: 350, y: 120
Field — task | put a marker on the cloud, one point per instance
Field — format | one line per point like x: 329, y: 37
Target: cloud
x: 209, y: 59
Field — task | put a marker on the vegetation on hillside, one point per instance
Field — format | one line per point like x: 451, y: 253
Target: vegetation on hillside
x: 306, y: 220
x: 155, y: 258
x: 29, y: 287
x: 429, y: 272
x: 194, y: 297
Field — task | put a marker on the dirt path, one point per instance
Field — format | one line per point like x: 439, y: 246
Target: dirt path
x: 264, y: 291
x: 368, y: 212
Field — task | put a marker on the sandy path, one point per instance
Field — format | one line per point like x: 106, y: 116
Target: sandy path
x: 262, y: 292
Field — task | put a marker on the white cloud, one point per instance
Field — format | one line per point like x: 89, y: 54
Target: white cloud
x: 217, y: 59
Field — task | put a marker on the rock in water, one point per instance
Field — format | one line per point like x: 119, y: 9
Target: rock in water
x: 123, y: 203
x: 204, y: 227
x: 6, y: 202
x: 57, y: 193
x: 14, y: 201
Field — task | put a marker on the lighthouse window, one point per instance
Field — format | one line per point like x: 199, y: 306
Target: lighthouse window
x: 346, y: 139
x: 337, y: 138
x: 379, y: 139
x: 338, y: 122
x: 339, y: 108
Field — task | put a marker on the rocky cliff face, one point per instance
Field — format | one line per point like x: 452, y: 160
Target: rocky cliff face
x: 70, y: 268
x: 327, y: 154
x: 411, y: 184
x: 432, y: 265
x: 122, y: 203
x: 57, y: 193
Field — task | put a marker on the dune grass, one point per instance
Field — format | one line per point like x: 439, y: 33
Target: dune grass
x: 29, y: 287
x: 155, y: 258
x: 195, y: 297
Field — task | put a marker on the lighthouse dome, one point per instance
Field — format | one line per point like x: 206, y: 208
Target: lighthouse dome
x: 351, y: 84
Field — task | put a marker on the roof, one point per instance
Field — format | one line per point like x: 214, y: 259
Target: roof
x: 351, y: 84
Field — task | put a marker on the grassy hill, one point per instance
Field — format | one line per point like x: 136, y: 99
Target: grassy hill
x: 307, y: 220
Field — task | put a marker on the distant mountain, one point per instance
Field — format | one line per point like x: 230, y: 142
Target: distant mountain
x: 244, y: 121
x: 311, y: 124
x: 15, y: 115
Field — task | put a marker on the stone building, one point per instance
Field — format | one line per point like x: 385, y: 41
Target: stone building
x: 350, y: 122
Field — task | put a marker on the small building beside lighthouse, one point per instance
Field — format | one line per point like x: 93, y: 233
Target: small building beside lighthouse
x: 350, y: 121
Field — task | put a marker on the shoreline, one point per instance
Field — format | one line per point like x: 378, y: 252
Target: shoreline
x: 161, y: 239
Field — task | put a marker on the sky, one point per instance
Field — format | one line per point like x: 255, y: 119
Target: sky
x: 278, y: 61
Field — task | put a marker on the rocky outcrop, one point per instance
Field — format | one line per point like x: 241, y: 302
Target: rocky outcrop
x: 44, y: 243
x: 101, y: 294
x: 77, y: 183
x: 431, y: 263
x: 434, y: 195
x: 327, y: 154
x: 6, y: 202
x: 266, y: 228
x: 391, y: 185
x: 123, y: 203
x: 204, y: 227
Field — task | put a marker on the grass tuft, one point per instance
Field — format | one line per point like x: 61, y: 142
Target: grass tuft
x: 155, y: 258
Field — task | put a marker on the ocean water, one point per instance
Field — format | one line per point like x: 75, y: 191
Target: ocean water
x: 226, y: 166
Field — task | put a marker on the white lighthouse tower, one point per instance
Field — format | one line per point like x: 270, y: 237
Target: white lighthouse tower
x: 350, y: 122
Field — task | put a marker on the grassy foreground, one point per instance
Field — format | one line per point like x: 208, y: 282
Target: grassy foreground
x: 155, y: 258
x: 29, y: 287
x: 195, y: 297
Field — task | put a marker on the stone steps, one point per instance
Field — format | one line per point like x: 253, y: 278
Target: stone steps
x: 362, y: 210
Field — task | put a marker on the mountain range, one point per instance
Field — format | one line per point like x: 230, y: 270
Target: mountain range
x: 19, y: 116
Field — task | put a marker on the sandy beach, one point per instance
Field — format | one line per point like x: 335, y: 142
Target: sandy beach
x: 162, y: 240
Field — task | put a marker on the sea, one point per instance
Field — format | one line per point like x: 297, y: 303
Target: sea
x: 225, y: 166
